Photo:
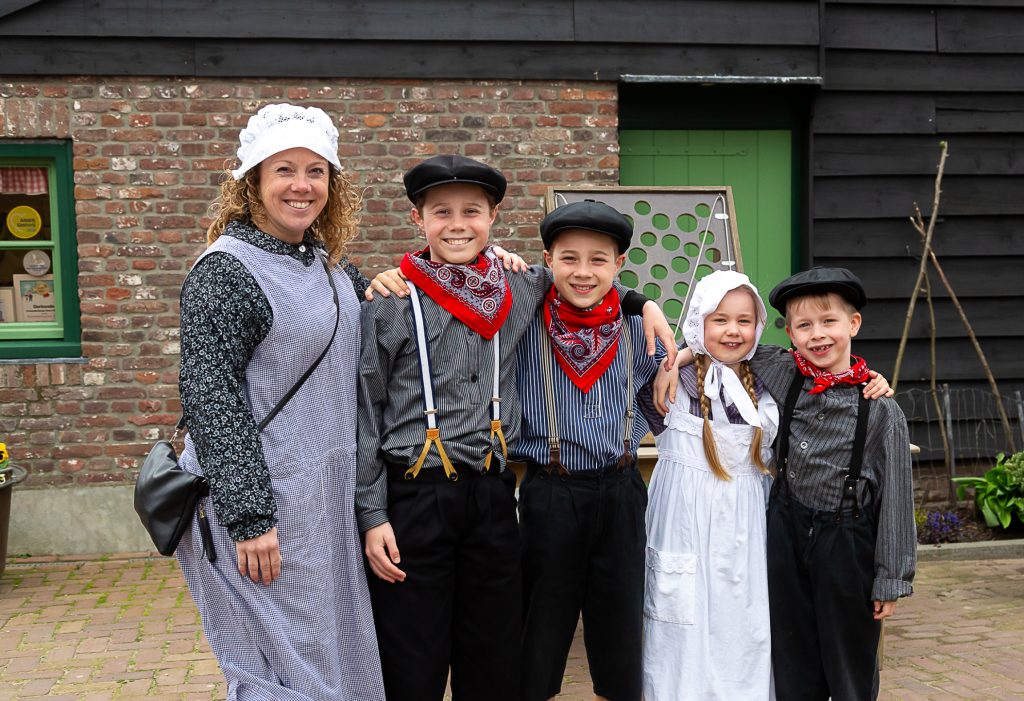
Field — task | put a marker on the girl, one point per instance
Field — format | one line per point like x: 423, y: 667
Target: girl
x: 706, y: 628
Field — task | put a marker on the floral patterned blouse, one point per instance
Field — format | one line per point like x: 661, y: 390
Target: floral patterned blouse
x: 224, y: 317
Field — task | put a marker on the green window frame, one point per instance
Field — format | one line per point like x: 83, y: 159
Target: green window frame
x: 62, y: 337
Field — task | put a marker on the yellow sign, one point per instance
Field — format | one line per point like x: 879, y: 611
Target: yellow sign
x: 24, y: 222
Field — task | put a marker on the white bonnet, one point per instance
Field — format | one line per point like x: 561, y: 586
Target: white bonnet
x: 277, y: 128
x: 707, y: 295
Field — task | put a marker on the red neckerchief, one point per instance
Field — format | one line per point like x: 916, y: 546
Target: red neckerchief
x: 857, y: 373
x: 477, y: 294
x: 584, y: 341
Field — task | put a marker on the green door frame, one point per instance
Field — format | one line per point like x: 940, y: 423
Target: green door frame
x: 692, y: 107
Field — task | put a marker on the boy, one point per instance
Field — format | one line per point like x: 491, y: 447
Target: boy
x: 437, y: 406
x: 841, y: 534
x: 582, y: 501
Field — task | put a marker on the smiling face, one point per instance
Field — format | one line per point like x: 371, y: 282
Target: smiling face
x: 293, y: 190
x: 821, y: 328
x: 730, y: 330
x: 584, y: 265
x: 457, y: 220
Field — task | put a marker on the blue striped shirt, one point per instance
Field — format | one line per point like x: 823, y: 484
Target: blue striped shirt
x: 590, y: 425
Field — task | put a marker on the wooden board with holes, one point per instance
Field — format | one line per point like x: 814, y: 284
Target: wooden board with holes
x: 680, y: 235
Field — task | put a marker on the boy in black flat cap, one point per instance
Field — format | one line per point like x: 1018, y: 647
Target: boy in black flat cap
x: 582, y: 501
x: 841, y: 533
x: 437, y: 408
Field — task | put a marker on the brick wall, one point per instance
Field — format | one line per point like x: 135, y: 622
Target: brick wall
x: 148, y: 154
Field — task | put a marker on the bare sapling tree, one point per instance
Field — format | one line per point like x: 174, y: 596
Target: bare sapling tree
x: 928, y: 256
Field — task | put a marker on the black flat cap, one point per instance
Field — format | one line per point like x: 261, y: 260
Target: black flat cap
x: 590, y: 215
x: 819, y: 281
x: 441, y: 170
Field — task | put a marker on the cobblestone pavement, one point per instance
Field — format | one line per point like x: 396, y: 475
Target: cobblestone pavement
x: 124, y: 628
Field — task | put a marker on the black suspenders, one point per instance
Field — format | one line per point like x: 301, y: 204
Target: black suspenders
x: 856, y: 457
x: 859, y: 438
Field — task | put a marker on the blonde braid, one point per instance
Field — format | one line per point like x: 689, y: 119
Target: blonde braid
x: 710, y: 449
x: 747, y: 378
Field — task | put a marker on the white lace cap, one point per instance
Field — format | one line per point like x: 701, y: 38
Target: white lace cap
x: 707, y: 295
x: 277, y: 128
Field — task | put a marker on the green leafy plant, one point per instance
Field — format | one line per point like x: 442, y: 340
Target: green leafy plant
x: 1015, y: 468
x: 999, y: 493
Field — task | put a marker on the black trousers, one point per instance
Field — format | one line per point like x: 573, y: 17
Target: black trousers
x: 820, y: 574
x: 584, y: 542
x: 461, y: 602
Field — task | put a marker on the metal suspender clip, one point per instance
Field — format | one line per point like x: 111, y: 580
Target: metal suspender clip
x: 849, y: 492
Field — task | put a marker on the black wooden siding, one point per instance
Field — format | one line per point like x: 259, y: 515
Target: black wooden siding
x: 554, y: 39
x: 896, y: 78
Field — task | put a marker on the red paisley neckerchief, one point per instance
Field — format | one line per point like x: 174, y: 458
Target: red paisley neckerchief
x: 584, y: 341
x: 857, y: 373
x: 477, y: 294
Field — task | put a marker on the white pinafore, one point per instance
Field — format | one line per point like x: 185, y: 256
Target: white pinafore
x: 706, y: 626
x: 309, y: 635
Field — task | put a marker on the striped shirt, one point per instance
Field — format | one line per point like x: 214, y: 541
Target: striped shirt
x: 688, y: 387
x: 392, y: 426
x: 590, y: 425
x: 820, y: 447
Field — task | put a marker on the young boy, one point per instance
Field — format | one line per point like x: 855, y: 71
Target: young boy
x: 437, y: 406
x: 582, y: 501
x: 841, y: 534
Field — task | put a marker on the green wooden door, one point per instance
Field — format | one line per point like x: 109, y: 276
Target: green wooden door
x: 758, y: 167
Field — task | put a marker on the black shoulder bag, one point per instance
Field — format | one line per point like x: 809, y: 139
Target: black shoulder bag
x: 166, y: 496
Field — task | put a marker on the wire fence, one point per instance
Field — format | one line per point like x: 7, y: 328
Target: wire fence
x: 962, y: 426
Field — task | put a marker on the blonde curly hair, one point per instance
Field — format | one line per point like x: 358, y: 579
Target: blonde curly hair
x: 334, y: 227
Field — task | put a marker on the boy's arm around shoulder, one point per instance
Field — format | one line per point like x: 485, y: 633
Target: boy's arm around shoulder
x: 532, y: 283
x: 775, y: 367
x: 383, y: 336
x: 896, y: 540
x: 380, y: 318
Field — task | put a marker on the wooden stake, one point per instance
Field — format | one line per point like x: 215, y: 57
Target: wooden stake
x: 924, y: 263
x: 950, y: 490
x: 1012, y: 443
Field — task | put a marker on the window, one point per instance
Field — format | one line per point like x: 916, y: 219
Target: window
x: 39, y: 314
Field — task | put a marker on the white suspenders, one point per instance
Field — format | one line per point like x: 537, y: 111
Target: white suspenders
x: 433, y: 436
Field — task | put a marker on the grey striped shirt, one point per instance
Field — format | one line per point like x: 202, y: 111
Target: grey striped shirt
x: 820, y: 447
x: 391, y: 422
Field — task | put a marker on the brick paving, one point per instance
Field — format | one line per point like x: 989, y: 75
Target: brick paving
x: 124, y: 628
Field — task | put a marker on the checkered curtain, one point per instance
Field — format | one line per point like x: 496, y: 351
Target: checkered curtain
x: 23, y: 181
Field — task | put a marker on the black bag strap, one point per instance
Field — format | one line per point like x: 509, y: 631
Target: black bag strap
x: 309, y: 371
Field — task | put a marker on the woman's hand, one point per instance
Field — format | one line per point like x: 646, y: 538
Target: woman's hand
x: 510, y: 260
x: 878, y: 387
x: 656, y: 325
x: 667, y: 380
x: 382, y: 553
x: 259, y: 558
x: 389, y: 281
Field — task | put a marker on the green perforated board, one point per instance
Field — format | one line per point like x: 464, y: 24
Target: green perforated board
x: 680, y: 234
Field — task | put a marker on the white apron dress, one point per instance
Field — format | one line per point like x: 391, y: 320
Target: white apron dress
x: 706, y: 626
x: 309, y: 635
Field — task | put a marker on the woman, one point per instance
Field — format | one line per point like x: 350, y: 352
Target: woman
x: 285, y: 606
